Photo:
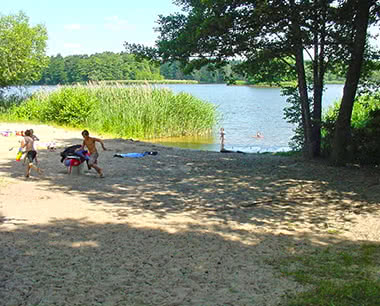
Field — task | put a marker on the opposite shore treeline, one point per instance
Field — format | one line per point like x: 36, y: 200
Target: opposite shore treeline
x: 109, y: 66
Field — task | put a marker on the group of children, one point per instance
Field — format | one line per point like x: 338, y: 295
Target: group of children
x: 28, y: 148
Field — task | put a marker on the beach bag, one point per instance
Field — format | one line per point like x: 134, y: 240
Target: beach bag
x: 69, y: 151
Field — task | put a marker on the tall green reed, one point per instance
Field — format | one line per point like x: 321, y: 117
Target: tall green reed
x: 133, y: 111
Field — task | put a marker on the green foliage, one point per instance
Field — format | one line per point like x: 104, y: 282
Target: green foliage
x: 98, y: 67
x: 66, y: 106
x: 206, y: 74
x: 270, y: 38
x: 376, y: 75
x: 365, y: 129
x: 293, y: 115
x: 70, y: 106
x: 7, y: 101
x: 108, y: 66
x: 22, y: 50
x: 139, y: 111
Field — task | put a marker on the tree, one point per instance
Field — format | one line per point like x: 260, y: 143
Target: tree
x: 22, y: 50
x: 271, y: 37
x: 75, y: 68
x: 97, y: 67
x: 54, y: 73
x: 342, y: 136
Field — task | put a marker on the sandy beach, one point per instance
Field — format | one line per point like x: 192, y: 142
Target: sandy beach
x: 182, y: 227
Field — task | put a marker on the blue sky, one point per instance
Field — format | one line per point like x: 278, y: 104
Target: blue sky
x: 83, y: 27
x: 88, y: 27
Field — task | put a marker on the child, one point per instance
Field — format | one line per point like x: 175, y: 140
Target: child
x: 90, y: 143
x: 35, y: 138
x: 27, y: 143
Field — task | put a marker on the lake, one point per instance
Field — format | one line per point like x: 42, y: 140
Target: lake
x: 245, y: 111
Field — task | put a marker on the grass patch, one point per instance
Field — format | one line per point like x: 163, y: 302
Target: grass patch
x: 338, y: 276
x: 133, y: 111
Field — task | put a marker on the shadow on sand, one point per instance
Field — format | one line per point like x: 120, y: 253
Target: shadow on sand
x: 245, y: 209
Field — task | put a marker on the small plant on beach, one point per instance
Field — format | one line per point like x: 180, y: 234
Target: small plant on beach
x: 133, y: 111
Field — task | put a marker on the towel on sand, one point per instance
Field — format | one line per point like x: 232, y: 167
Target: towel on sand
x: 134, y: 155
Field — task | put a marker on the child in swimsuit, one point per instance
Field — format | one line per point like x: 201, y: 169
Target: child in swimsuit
x: 28, y: 144
x: 90, y: 143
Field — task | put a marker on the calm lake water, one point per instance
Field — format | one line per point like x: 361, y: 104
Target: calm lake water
x: 245, y: 111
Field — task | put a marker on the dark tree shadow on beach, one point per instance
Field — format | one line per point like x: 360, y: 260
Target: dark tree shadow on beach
x: 76, y: 262
x: 253, y: 205
x: 264, y: 190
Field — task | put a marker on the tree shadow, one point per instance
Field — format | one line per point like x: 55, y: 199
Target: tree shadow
x: 77, y: 262
x: 282, y: 193
x: 195, y: 229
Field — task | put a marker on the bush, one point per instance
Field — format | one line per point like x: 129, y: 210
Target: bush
x: 70, y: 106
x: 365, y: 129
x: 8, y: 101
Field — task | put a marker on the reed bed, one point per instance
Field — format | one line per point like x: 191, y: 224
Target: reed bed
x: 133, y: 111
x: 142, y: 82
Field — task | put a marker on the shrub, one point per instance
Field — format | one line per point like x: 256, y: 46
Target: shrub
x: 365, y: 128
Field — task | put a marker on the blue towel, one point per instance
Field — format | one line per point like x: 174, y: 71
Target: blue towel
x: 134, y: 155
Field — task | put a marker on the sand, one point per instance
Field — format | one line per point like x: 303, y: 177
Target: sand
x: 183, y: 227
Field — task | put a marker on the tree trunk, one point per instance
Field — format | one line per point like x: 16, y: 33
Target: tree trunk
x: 342, y: 134
x: 319, y: 73
x: 302, y: 84
x: 305, y: 107
x: 317, y: 114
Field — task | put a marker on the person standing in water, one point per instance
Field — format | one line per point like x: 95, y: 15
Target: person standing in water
x: 258, y: 135
x: 90, y: 143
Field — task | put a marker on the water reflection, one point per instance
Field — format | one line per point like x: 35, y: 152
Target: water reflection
x: 245, y: 111
x: 189, y: 142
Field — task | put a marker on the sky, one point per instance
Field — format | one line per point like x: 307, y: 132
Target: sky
x: 83, y: 27
x: 89, y: 27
